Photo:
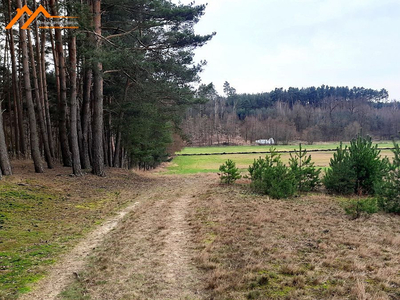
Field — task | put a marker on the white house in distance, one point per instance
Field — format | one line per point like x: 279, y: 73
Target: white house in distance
x: 270, y: 141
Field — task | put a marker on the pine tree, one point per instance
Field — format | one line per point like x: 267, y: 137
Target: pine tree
x: 157, y: 60
x: 367, y: 164
x: 306, y: 174
x: 229, y: 172
x: 271, y: 177
x: 34, y: 138
x: 340, y: 177
x: 358, y: 169
x: 389, y: 190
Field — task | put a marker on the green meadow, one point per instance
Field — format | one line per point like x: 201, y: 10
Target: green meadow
x: 211, y: 163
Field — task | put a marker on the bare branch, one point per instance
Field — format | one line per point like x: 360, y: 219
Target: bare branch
x: 121, y: 34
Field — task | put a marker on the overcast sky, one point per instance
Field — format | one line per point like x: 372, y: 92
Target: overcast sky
x: 263, y: 44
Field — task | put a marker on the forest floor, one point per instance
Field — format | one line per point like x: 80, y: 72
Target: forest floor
x: 188, y: 237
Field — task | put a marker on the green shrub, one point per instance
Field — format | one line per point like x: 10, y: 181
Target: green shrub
x: 271, y: 177
x: 341, y: 177
x: 358, y: 169
x: 389, y: 190
x: 307, y: 176
x: 229, y: 172
x: 355, y: 207
x: 368, y: 165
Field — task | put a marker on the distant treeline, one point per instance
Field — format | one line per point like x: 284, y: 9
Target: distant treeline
x: 312, y: 114
x: 248, y: 104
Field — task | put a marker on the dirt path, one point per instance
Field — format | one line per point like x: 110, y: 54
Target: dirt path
x: 150, y: 254
x: 176, y: 254
x: 68, y: 267
x: 145, y: 252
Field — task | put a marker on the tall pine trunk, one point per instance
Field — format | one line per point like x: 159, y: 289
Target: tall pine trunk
x: 62, y: 124
x: 46, y: 94
x: 87, y: 86
x: 4, y: 159
x: 14, y: 93
x: 21, y: 144
x: 117, y: 153
x: 28, y: 94
x: 43, y: 86
x: 76, y: 162
x: 39, y: 101
x: 97, y: 126
x: 6, y: 91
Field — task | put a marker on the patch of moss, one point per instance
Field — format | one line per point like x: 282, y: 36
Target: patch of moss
x: 210, y: 238
x: 278, y: 292
x: 75, y: 291
x: 34, y: 229
x: 18, y: 265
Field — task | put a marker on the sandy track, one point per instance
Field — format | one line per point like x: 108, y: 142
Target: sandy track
x: 177, y: 259
x: 150, y: 254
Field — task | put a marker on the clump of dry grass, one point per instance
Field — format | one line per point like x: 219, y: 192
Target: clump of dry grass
x: 359, y: 290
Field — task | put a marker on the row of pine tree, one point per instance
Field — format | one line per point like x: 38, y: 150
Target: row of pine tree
x: 108, y: 93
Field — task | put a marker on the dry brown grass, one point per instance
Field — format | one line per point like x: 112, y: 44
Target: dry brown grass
x: 304, y: 248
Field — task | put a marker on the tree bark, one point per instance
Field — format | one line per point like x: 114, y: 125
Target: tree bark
x: 97, y: 126
x: 117, y: 163
x: 6, y: 90
x: 39, y: 100
x: 28, y: 94
x: 4, y: 159
x: 87, y: 84
x: 21, y: 145
x: 117, y: 152
x: 65, y: 153
x: 76, y: 162
x: 43, y: 82
x: 45, y: 91
x: 105, y: 147
x: 109, y: 138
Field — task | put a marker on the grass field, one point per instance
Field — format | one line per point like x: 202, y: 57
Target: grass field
x: 211, y: 163
x: 232, y: 149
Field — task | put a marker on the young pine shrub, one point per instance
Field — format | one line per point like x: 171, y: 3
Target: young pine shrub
x: 271, y: 177
x: 358, y: 169
x: 340, y: 177
x: 229, y: 172
x: 355, y: 207
x: 389, y: 190
x: 367, y: 164
x: 305, y: 173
